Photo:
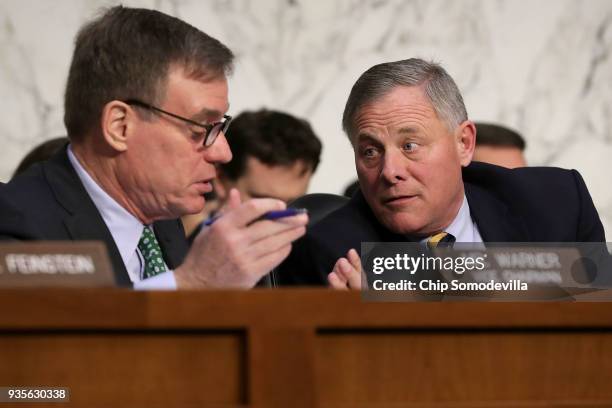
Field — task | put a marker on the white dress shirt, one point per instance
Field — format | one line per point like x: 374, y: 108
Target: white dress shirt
x: 463, y: 228
x: 125, y: 230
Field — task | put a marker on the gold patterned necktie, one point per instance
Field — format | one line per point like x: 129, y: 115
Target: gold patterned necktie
x: 440, y: 239
x: 151, y: 252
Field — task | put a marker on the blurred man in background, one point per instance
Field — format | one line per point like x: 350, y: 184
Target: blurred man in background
x: 275, y: 155
x: 41, y: 152
x: 499, y: 145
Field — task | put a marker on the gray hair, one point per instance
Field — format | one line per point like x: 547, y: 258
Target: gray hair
x: 379, y: 80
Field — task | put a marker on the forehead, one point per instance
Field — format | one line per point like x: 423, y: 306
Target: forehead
x: 400, y: 106
x: 200, y: 98
x: 282, y: 182
x: 505, y: 156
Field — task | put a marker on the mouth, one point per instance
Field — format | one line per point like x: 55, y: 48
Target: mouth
x: 203, y: 186
x: 398, y: 201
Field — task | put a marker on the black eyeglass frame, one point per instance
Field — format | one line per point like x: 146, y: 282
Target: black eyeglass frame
x: 209, y: 136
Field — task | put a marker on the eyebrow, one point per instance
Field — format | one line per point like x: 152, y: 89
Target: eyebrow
x: 362, y: 137
x: 408, y: 130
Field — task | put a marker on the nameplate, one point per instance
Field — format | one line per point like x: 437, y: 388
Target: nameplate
x: 55, y: 263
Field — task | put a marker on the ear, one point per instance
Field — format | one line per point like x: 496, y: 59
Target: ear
x: 466, y: 142
x: 115, y: 119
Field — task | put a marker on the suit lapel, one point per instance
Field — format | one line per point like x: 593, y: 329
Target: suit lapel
x: 494, y: 220
x: 83, y: 221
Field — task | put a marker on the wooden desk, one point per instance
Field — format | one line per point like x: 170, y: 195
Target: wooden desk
x: 302, y: 348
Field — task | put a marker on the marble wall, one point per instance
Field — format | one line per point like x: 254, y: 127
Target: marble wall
x: 543, y: 67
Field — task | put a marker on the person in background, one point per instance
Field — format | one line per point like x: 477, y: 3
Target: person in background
x: 275, y: 155
x: 41, y: 152
x: 499, y: 145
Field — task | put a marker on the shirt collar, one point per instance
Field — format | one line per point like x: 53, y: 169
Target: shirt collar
x: 123, y: 226
x: 463, y: 227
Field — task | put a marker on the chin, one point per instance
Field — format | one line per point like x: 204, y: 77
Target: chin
x: 196, y: 209
x: 191, y: 206
x: 403, y: 223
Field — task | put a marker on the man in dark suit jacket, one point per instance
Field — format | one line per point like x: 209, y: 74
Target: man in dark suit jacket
x: 490, y: 192
x: 145, y: 107
x: 54, y: 205
x: 413, y: 147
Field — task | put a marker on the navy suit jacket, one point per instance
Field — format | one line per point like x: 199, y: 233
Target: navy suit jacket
x: 49, y: 202
x: 531, y: 204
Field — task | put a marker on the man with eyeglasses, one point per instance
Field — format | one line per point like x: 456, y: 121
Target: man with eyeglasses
x: 145, y: 109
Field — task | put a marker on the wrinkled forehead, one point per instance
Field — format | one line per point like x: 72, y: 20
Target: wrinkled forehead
x: 398, y: 105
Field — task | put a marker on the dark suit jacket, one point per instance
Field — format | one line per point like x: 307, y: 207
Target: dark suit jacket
x: 49, y: 202
x: 532, y: 204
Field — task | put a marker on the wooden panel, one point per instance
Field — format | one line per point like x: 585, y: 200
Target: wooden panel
x: 302, y: 348
x: 282, y: 368
x: 320, y: 308
x: 129, y: 369
x: 477, y: 367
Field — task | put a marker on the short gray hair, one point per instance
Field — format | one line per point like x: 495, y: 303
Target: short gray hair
x: 379, y: 80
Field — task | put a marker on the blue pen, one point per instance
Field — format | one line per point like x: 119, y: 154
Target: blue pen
x: 270, y: 215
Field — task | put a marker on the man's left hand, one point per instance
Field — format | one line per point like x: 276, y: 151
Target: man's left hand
x: 346, y: 273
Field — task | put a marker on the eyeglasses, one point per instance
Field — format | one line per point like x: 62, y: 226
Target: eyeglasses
x: 210, y: 130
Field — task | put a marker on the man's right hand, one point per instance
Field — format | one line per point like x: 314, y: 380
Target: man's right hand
x: 235, y: 251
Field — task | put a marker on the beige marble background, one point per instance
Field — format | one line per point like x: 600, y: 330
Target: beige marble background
x: 543, y: 67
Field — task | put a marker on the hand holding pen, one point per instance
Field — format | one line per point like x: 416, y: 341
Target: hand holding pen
x: 236, y: 250
x: 270, y: 215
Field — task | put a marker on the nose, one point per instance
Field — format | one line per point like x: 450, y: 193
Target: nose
x: 219, y: 151
x: 394, y: 167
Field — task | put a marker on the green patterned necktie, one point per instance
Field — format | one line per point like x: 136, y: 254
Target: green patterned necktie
x: 152, y: 254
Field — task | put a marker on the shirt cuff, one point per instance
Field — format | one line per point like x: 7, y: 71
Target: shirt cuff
x: 163, y: 281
